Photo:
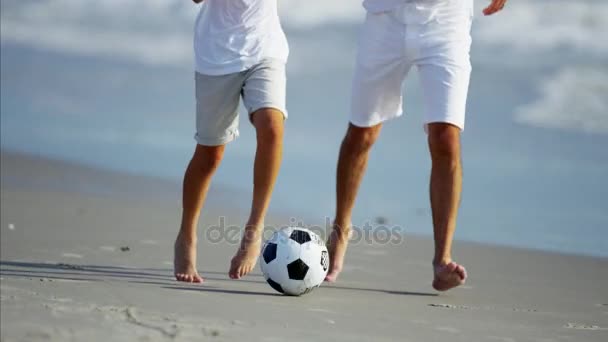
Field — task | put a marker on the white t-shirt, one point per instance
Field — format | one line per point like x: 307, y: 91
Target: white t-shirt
x: 234, y: 35
x: 377, y: 6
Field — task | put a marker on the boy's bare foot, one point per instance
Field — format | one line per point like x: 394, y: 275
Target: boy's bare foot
x: 336, y: 246
x: 247, y: 255
x: 448, y: 275
x: 184, y: 261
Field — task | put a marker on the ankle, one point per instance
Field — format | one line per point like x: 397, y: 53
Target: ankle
x: 342, y: 225
x: 441, y: 261
x: 342, y: 230
x: 187, y: 238
x: 252, y: 232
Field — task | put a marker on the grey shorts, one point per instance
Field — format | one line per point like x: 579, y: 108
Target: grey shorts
x: 218, y: 98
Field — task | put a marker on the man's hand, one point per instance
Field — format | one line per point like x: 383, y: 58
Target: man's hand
x: 494, y: 7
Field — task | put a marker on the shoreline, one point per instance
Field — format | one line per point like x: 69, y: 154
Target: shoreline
x: 51, y: 175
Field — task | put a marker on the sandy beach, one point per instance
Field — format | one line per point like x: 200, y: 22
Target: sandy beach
x: 86, y: 255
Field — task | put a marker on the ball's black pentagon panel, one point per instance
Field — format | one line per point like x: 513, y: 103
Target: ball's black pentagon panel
x: 324, y: 260
x: 297, y: 270
x: 270, y: 252
x: 275, y: 285
x: 300, y: 236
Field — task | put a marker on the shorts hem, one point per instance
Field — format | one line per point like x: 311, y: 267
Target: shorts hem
x: 457, y: 123
x: 215, y: 141
x: 370, y: 123
x: 267, y: 106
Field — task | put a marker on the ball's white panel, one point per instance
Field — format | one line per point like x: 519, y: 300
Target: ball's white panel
x: 283, y: 234
x: 294, y: 287
x: 312, y: 254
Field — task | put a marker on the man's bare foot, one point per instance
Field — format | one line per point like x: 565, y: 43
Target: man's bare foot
x: 336, y: 246
x: 184, y: 261
x: 247, y: 255
x: 448, y: 276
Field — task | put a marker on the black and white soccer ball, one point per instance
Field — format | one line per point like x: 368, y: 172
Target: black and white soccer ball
x: 294, y: 261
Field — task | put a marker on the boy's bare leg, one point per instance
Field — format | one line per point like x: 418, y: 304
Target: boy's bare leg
x: 445, y: 189
x: 198, y: 175
x: 352, y: 164
x: 269, y: 131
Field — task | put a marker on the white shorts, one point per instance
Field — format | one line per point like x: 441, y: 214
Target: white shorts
x: 436, y: 39
x: 218, y: 98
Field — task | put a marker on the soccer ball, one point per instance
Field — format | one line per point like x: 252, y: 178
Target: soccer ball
x: 294, y: 261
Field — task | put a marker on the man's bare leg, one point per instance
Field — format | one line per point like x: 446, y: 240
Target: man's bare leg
x: 269, y: 130
x: 198, y: 175
x: 352, y: 164
x: 445, y: 189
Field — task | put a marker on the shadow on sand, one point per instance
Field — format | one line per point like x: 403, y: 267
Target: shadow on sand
x: 151, y: 276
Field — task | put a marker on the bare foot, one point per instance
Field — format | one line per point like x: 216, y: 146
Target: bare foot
x: 184, y: 261
x: 336, y: 246
x: 448, y: 276
x: 247, y: 255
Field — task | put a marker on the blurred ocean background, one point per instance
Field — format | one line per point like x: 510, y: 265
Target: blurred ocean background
x: 109, y: 84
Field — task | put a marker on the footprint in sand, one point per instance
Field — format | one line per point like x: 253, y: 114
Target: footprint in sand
x: 321, y: 310
x: 447, y: 329
x: 71, y: 255
x: 502, y: 338
x: 452, y: 306
x: 491, y: 308
x: 70, y: 266
x: 580, y: 326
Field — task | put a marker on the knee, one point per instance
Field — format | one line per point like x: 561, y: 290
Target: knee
x: 444, y: 142
x: 208, y: 158
x: 361, y: 138
x: 269, y: 125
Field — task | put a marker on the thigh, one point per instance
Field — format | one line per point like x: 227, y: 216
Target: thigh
x: 380, y: 70
x: 217, y: 102
x: 265, y: 87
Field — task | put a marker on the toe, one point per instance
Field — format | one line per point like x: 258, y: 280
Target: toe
x: 462, y: 273
x: 233, y: 269
x: 233, y: 273
x: 331, y: 276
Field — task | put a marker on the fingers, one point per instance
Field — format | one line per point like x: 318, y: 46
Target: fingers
x: 494, y: 7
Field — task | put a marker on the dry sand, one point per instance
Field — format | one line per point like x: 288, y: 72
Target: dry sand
x: 86, y: 256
